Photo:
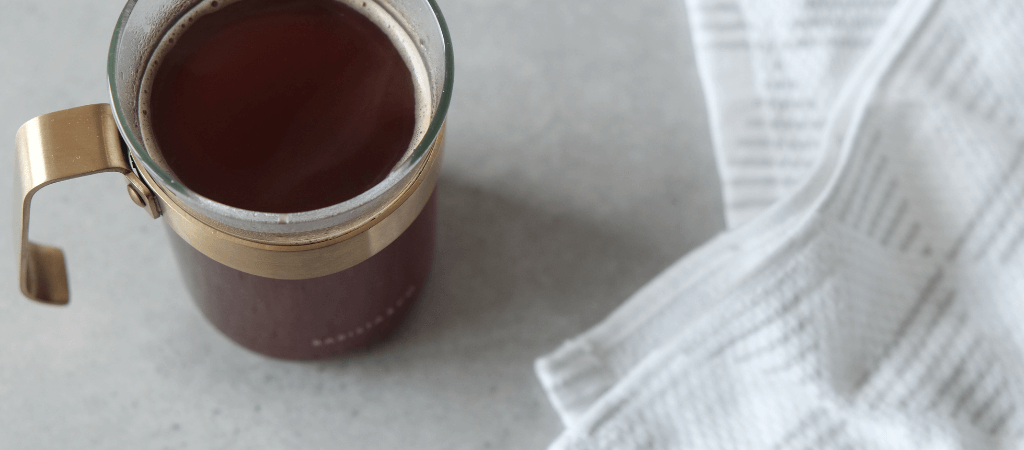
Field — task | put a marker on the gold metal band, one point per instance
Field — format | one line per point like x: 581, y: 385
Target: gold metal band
x: 313, y: 254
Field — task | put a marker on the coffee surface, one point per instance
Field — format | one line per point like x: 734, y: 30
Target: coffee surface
x: 281, y: 105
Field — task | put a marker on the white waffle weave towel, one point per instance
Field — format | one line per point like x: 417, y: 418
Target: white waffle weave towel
x: 870, y: 293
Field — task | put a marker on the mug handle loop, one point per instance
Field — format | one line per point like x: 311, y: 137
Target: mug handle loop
x: 55, y: 147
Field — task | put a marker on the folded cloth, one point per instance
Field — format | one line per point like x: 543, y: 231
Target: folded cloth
x: 875, y: 299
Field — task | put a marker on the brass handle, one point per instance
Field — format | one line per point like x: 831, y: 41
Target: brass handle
x: 55, y: 147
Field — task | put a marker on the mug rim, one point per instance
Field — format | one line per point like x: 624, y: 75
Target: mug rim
x: 286, y: 223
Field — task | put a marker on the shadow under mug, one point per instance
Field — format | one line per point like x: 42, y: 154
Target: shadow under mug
x: 303, y: 285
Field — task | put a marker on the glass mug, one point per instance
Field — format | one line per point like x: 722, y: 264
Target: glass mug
x: 303, y: 285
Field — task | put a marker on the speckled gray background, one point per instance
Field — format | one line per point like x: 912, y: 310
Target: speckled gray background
x: 578, y: 166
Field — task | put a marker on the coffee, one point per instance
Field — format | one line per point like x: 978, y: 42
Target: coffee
x: 280, y: 105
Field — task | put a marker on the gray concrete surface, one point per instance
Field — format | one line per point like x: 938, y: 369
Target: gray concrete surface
x: 578, y: 166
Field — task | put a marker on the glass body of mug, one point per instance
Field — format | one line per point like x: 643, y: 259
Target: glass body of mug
x: 301, y: 285
x: 330, y: 302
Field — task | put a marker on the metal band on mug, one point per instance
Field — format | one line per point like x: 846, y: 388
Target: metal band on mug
x: 341, y: 249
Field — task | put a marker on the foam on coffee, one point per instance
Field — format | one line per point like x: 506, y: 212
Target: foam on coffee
x: 378, y: 15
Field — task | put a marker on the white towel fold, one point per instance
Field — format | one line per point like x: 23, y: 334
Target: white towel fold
x: 871, y: 293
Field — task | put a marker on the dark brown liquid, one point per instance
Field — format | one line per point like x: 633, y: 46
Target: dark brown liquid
x: 282, y: 105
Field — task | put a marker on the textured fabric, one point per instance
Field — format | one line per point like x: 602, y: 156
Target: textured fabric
x: 772, y: 72
x: 874, y: 299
